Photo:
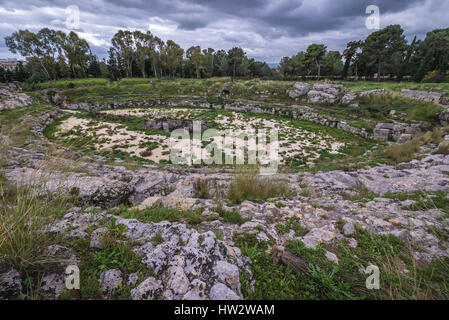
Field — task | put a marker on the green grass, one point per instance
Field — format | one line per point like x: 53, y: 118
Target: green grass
x: 292, y: 224
x: 115, y: 253
x: 158, y: 214
x: 325, y: 280
x: 423, y: 200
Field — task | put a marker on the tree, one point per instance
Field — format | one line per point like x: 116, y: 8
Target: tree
x: 237, y: 62
x: 20, y: 73
x: 258, y: 69
x: 27, y: 44
x: 208, y: 62
x: 314, y: 54
x: 194, y: 54
x: 124, y: 45
x: 220, y: 63
x: 333, y: 63
x: 381, y: 45
x: 433, y: 53
x: 173, y: 53
x: 145, y: 46
x: 351, y: 56
x: 77, y: 53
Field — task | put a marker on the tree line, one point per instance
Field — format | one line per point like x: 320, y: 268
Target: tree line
x: 384, y: 53
x: 53, y: 54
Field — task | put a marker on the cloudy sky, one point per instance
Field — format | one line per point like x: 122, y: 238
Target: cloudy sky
x: 266, y: 29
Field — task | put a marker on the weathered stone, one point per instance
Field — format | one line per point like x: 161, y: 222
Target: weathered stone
x: 228, y: 274
x: 149, y: 289
x: 177, y: 281
x: 300, y: 89
x: 132, y: 279
x: 348, y: 229
x: 52, y: 286
x: 422, y: 95
x: 98, y: 190
x: 13, y: 99
x: 444, y: 117
x: 374, y: 92
x: 405, y: 137
x: 319, y: 97
x: 110, y: 280
x: 331, y: 257
x: 221, y: 292
x: 10, y: 285
x: 95, y: 240
x: 348, y: 97
x: 330, y: 88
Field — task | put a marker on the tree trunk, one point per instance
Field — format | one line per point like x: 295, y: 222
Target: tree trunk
x: 45, y: 69
x: 319, y: 68
x: 379, y: 69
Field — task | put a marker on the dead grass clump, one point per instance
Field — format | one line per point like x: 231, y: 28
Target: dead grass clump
x: 202, y: 189
x: 146, y: 153
x: 404, y: 152
x: 443, y: 149
x: 252, y: 186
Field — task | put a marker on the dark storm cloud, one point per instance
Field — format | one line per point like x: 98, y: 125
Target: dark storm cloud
x: 267, y: 29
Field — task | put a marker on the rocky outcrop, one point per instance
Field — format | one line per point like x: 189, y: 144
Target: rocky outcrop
x: 429, y: 96
x: 299, y: 89
x: 188, y: 264
x: 110, y: 280
x: 168, y: 125
x: 444, y: 117
x: 11, y: 97
x: 326, y: 93
x: 10, y: 285
x: 398, y: 131
x: 104, y: 191
x: 374, y: 92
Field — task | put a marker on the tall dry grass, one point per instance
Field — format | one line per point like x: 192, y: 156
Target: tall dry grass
x: 249, y: 185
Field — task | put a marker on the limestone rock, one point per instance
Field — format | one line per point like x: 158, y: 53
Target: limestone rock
x: 149, y: 289
x: 52, y: 286
x: 348, y: 97
x: 10, y: 285
x: 348, y: 229
x: 422, y: 95
x: 228, y: 274
x: 319, y: 97
x: 329, y: 88
x: 444, y: 117
x: 110, y: 280
x: 300, y: 89
x: 95, y: 240
x: 221, y: 292
x: 331, y: 257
